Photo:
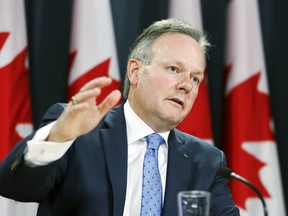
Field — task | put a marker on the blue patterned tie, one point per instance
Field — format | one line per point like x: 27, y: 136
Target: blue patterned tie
x: 152, y: 186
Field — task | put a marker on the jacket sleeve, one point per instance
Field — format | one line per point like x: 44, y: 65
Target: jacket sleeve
x: 30, y: 184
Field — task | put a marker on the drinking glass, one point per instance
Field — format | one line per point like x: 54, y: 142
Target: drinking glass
x: 194, y: 203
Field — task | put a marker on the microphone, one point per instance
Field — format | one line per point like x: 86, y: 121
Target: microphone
x: 227, y: 173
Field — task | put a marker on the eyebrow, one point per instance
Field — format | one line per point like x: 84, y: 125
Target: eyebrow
x: 182, y: 65
x: 197, y: 72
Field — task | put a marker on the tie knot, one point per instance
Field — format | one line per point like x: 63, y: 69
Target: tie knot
x: 154, y: 141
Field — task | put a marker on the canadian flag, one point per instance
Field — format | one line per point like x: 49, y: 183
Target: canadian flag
x: 198, y: 121
x: 248, y: 135
x: 93, y: 47
x: 15, y: 106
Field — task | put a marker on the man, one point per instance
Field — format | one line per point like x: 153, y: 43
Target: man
x: 89, y: 161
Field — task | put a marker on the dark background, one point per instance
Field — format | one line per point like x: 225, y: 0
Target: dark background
x: 49, y: 24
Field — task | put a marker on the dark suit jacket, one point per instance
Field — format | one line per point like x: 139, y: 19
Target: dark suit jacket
x: 90, y: 179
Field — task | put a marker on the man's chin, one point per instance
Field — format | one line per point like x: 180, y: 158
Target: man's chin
x: 174, y: 122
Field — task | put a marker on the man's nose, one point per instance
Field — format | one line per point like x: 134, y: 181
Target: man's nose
x: 185, y: 83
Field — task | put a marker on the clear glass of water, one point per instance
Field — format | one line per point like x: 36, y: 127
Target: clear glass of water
x: 194, y: 203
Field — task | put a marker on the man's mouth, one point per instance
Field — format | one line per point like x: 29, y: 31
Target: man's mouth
x: 178, y: 101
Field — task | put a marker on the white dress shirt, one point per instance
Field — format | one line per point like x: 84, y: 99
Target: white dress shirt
x: 137, y: 129
x: 40, y: 152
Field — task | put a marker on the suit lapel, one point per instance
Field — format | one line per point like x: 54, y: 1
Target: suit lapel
x: 115, y: 149
x: 179, y: 165
x: 179, y: 169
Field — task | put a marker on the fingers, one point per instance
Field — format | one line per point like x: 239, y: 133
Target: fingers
x: 99, y: 82
x: 85, y: 96
x: 90, y: 91
x: 82, y: 113
x: 110, y: 101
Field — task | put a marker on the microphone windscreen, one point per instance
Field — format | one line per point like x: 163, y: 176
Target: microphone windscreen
x: 224, y: 172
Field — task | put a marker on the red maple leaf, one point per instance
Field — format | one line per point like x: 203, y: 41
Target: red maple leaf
x: 3, y: 37
x: 15, y: 98
x: 198, y: 121
x: 99, y: 70
x: 247, y: 119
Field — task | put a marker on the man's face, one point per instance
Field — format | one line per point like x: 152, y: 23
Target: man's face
x: 163, y: 93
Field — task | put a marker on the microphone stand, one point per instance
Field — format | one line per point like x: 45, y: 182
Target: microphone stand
x: 227, y: 173
x: 248, y: 183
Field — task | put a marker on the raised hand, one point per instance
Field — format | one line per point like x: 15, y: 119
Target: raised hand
x: 83, y: 113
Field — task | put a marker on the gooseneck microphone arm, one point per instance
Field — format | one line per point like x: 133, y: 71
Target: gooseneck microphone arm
x: 227, y: 173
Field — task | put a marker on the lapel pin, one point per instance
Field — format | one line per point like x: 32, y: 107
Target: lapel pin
x: 185, y: 155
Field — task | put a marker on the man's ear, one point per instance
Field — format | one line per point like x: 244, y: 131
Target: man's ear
x: 133, y: 70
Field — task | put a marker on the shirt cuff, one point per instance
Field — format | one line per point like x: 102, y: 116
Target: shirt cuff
x: 40, y: 152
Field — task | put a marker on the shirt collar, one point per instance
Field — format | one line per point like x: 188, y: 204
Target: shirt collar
x: 136, y: 127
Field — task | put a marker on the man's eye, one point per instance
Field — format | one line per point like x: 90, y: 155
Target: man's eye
x: 196, y: 80
x: 173, y: 69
